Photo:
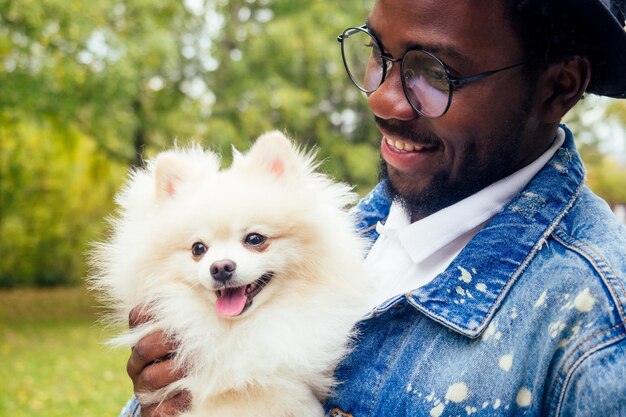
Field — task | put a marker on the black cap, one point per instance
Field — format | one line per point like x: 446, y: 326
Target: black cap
x: 605, y: 23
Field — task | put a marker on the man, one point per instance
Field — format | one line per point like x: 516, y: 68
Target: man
x: 502, y: 277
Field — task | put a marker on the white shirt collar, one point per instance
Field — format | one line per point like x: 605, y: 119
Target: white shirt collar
x: 425, y: 237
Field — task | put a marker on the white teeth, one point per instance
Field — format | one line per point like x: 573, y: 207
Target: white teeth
x: 404, y: 146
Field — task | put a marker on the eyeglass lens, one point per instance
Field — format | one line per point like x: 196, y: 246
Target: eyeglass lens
x: 363, y: 59
x: 424, y: 77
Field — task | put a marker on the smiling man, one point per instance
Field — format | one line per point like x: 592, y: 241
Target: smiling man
x: 501, y: 276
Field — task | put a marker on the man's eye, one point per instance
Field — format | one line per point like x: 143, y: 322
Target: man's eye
x: 436, y: 78
x: 198, y: 249
x: 254, y: 239
x: 434, y: 74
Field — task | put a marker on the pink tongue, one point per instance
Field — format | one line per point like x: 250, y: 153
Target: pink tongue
x: 232, y: 302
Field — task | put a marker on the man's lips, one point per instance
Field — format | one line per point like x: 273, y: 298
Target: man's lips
x: 409, y: 157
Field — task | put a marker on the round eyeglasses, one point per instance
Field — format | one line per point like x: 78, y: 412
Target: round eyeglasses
x: 427, y: 82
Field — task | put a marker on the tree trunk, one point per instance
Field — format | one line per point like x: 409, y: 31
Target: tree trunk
x: 139, y: 136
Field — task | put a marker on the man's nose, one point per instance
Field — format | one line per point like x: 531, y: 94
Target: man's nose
x: 389, y: 100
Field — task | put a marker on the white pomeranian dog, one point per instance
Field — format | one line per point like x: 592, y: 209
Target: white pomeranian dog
x: 255, y: 270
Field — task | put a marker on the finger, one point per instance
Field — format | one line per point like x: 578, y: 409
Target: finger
x: 170, y: 407
x: 150, y: 348
x: 158, y: 375
x: 138, y: 315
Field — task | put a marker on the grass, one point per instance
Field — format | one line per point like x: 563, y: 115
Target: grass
x: 53, y: 362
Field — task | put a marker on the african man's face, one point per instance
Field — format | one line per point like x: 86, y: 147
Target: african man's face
x: 490, y: 128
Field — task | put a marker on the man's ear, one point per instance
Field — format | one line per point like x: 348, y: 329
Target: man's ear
x: 561, y: 86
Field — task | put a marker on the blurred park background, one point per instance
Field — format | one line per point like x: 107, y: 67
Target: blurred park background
x: 88, y: 87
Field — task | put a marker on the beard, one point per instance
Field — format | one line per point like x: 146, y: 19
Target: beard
x: 442, y: 191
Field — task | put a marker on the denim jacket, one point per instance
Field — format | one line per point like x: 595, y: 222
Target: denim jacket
x: 527, y: 320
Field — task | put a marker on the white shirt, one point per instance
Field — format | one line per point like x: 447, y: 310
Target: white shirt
x: 409, y: 255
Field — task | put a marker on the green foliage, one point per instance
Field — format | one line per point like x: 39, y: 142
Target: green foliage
x: 596, y: 122
x: 608, y: 179
x: 287, y: 73
x: 54, y: 191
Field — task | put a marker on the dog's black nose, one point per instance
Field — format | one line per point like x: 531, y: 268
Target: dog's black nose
x: 223, y: 270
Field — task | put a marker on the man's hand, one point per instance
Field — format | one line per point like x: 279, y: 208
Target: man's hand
x: 150, y: 367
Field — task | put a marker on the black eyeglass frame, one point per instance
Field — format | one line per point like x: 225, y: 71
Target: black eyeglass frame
x: 453, y: 81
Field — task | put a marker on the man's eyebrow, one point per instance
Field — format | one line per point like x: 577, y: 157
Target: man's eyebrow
x: 449, y: 51
x: 446, y: 50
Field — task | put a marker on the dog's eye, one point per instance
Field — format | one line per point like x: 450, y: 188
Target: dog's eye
x: 198, y: 249
x: 254, y: 239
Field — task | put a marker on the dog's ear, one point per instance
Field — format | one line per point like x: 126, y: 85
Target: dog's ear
x: 275, y: 154
x: 169, y: 172
x: 176, y: 167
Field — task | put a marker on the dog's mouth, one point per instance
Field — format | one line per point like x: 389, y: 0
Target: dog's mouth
x: 233, y: 301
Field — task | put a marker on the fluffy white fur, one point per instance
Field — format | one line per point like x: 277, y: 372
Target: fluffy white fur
x: 277, y: 357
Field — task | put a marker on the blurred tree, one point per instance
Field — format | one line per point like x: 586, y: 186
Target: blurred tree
x: 599, y: 126
x: 52, y: 199
x: 608, y: 179
x: 117, y: 71
x: 280, y: 67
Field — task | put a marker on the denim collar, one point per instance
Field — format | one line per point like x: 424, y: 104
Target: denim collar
x: 469, y: 292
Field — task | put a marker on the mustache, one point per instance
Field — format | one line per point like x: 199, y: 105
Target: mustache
x: 399, y: 130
